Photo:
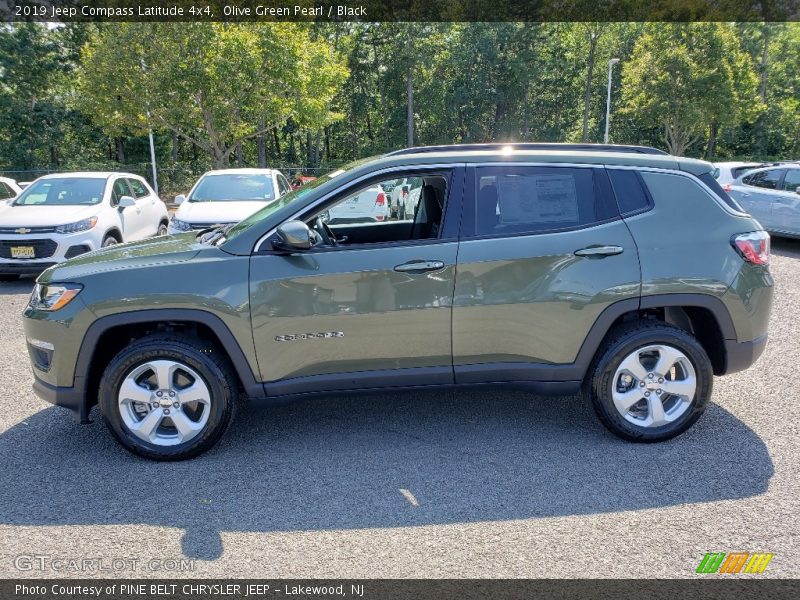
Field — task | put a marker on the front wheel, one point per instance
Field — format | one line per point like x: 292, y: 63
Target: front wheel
x: 162, y: 229
x: 650, y: 382
x: 168, y: 397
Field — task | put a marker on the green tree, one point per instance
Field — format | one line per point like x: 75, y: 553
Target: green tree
x: 686, y: 78
x: 213, y: 84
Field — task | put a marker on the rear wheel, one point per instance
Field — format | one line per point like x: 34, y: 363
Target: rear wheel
x: 168, y: 398
x: 650, y: 382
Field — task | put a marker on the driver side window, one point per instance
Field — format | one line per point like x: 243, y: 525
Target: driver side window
x: 380, y: 212
x: 119, y: 190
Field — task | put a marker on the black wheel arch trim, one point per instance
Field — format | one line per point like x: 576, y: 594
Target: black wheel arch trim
x: 229, y: 343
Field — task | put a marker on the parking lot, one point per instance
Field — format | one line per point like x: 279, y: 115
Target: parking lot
x: 444, y: 484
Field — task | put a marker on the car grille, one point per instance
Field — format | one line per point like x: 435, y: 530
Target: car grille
x: 41, y: 248
x: 25, y: 230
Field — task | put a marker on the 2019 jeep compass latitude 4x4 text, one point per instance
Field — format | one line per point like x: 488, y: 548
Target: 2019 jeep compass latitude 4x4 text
x: 621, y: 271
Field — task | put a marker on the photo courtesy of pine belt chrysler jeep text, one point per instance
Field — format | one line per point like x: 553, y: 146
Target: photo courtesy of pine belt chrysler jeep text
x: 618, y: 271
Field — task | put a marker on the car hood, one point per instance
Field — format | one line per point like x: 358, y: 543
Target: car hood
x: 147, y: 253
x: 219, y: 212
x: 44, y: 216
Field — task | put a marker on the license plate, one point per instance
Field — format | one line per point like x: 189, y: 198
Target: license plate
x: 22, y: 252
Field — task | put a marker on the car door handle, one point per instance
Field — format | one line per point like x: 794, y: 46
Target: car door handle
x: 599, y: 251
x: 420, y: 266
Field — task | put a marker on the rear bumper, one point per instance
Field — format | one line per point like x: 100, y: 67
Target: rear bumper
x: 741, y: 355
x: 66, y: 397
x: 24, y: 268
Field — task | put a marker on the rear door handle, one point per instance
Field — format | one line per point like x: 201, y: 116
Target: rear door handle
x: 599, y: 251
x: 419, y: 266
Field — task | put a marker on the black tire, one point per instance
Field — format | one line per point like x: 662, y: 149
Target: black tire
x: 9, y: 277
x: 205, y: 359
x: 110, y: 240
x: 616, y: 348
x: 162, y: 229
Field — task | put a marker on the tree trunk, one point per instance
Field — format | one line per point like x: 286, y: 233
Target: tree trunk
x: 587, y: 94
x: 277, y: 143
x: 762, y: 90
x: 316, y: 148
x: 309, y: 150
x: 712, y: 140
x: 327, y: 143
x: 261, y: 144
x: 175, y: 145
x: 409, y: 108
x: 120, y: 150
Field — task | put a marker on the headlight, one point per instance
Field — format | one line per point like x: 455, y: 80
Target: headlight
x: 78, y: 226
x: 53, y: 296
x: 179, y: 225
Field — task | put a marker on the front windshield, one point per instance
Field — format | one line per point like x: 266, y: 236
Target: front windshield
x: 63, y: 191
x: 233, y: 187
x: 290, y: 198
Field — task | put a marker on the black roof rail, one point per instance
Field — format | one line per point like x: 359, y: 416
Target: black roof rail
x: 530, y: 146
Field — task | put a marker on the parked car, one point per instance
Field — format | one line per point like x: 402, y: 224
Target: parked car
x: 552, y: 271
x: 771, y: 195
x: 367, y: 206
x: 64, y: 215
x: 404, y: 197
x: 9, y: 189
x: 726, y: 172
x: 227, y: 196
x: 301, y: 180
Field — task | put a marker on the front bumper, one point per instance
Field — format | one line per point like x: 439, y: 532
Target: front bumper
x: 66, y: 397
x: 22, y: 267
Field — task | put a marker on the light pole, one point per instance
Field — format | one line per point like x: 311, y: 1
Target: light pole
x: 611, y: 63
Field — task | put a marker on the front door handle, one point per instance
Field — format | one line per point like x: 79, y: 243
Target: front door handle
x: 599, y: 251
x: 419, y: 266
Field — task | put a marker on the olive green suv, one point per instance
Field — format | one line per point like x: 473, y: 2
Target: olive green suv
x: 618, y: 271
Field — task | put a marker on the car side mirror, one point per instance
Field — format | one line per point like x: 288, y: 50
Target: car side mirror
x: 797, y: 189
x: 294, y: 236
x: 180, y: 199
x: 126, y: 202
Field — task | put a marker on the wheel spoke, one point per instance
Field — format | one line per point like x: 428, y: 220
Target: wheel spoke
x: 655, y: 411
x: 164, y: 370
x: 130, y: 391
x: 633, y: 365
x: 685, y: 388
x: 185, y: 426
x: 147, y: 426
x: 667, y: 357
x: 624, y: 400
x: 197, y: 392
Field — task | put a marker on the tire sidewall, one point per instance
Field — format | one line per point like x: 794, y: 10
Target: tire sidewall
x: 219, y: 412
x: 616, y: 353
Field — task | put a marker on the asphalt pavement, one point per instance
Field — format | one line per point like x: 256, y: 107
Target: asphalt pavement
x: 447, y: 484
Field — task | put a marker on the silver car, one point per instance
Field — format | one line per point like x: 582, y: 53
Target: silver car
x: 772, y: 196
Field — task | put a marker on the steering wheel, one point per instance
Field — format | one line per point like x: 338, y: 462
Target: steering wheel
x: 321, y: 227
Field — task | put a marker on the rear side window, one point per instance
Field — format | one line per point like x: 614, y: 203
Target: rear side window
x: 514, y: 200
x: 629, y: 190
x: 792, y: 180
x: 721, y: 194
x: 5, y: 191
x: 765, y: 179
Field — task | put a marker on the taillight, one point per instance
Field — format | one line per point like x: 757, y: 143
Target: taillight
x: 728, y: 187
x: 754, y: 247
x: 381, y: 199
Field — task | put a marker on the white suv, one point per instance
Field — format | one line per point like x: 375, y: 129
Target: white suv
x: 227, y: 196
x: 64, y: 215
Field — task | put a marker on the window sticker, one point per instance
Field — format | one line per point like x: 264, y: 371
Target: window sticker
x: 538, y: 199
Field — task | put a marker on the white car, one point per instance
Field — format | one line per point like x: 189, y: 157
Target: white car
x: 726, y: 172
x: 64, y: 215
x: 227, y: 196
x: 368, y: 206
x: 404, y: 197
x: 9, y: 189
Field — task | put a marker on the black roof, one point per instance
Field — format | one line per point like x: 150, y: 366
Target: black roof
x: 530, y: 146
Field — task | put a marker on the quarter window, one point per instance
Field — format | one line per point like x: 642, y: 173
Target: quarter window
x: 628, y: 189
x: 6, y: 192
x: 768, y: 179
x: 534, y: 199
